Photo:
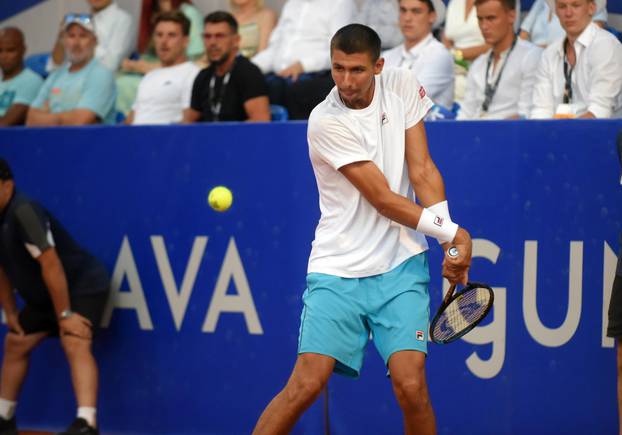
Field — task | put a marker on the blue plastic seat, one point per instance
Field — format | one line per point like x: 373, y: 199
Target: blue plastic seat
x: 37, y: 63
x: 278, y: 113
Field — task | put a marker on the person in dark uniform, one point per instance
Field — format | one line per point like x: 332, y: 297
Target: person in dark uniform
x: 65, y: 290
x: 614, y: 329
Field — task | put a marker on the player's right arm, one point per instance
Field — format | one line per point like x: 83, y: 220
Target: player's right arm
x: 373, y: 185
x: 7, y: 300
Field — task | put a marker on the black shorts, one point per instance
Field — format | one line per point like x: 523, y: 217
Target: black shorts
x: 614, y: 329
x: 33, y: 318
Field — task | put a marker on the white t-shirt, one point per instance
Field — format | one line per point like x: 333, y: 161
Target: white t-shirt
x: 352, y: 239
x: 164, y: 93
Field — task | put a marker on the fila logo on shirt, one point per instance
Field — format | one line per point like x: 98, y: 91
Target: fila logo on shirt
x: 421, y: 92
x: 438, y: 221
x: 420, y: 335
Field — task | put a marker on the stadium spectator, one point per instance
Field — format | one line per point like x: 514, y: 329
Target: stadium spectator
x: 80, y: 92
x: 382, y: 16
x: 421, y: 52
x: 231, y: 88
x: 255, y: 24
x: 19, y: 85
x: 132, y: 70
x: 297, y: 58
x: 579, y: 75
x: 461, y: 33
x: 541, y: 26
x: 65, y: 290
x: 500, y: 81
x: 115, y: 35
x: 164, y: 93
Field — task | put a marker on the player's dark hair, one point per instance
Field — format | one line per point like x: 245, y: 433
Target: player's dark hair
x: 174, y: 17
x: 222, y: 17
x: 356, y: 38
x: 508, y: 5
x: 5, y: 170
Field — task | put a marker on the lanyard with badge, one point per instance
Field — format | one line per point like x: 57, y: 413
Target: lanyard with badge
x: 491, y: 89
x: 567, y: 76
x: 215, y: 101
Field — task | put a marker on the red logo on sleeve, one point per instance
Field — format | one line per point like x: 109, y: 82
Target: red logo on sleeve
x: 422, y: 92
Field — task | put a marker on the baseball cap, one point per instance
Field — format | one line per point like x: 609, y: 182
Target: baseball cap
x: 5, y: 170
x: 84, y: 20
x: 600, y: 4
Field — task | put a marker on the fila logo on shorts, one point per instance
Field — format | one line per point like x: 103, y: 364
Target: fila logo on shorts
x: 384, y: 119
x: 421, y: 92
x: 420, y: 335
x: 438, y: 221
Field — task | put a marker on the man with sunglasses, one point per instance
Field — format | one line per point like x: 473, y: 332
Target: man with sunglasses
x: 82, y: 91
x: 115, y: 32
x: 579, y: 75
x: 65, y: 290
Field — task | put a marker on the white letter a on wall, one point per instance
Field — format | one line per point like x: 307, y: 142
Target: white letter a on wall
x: 242, y: 302
x: 133, y: 299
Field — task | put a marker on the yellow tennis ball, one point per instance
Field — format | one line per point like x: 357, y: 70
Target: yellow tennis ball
x: 220, y: 198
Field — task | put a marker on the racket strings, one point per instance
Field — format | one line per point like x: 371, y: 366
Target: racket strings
x: 462, y: 312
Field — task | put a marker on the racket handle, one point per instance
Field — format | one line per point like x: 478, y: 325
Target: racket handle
x: 449, y: 293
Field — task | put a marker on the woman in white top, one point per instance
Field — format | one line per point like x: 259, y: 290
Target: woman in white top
x: 462, y: 34
x: 255, y: 23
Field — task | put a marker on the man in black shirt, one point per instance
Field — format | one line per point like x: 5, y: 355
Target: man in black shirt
x: 231, y: 88
x: 65, y: 290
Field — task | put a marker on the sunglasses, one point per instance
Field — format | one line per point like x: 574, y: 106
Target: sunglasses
x: 78, y: 18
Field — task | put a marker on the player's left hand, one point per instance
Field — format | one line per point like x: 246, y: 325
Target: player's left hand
x: 293, y: 71
x: 456, y: 268
x: 76, y: 325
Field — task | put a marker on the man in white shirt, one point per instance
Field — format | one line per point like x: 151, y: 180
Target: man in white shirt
x: 579, y: 75
x: 296, y: 59
x: 368, y: 268
x: 115, y: 35
x: 424, y: 55
x: 500, y: 81
x: 164, y: 93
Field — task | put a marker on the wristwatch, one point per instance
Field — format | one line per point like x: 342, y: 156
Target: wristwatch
x: 65, y: 314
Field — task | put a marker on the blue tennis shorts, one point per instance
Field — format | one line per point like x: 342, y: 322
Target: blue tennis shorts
x: 340, y: 313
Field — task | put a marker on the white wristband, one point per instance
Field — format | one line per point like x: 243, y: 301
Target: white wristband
x: 441, y: 209
x: 430, y: 224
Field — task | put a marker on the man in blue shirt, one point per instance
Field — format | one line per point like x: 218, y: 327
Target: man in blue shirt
x: 80, y: 92
x: 19, y: 85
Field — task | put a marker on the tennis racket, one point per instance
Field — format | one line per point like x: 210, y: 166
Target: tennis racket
x: 461, y: 312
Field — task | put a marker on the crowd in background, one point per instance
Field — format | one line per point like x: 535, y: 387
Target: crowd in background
x: 475, y: 58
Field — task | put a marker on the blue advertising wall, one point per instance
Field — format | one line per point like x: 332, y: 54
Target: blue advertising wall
x: 202, y: 326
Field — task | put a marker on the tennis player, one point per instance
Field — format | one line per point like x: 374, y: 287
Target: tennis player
x: 368, y: 269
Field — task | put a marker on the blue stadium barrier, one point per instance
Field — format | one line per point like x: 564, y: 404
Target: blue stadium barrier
x: 202, y: 329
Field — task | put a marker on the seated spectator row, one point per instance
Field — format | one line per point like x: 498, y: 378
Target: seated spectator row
x: 237, y: 71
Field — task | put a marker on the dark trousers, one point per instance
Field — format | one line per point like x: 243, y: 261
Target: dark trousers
x: 301, y: 96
